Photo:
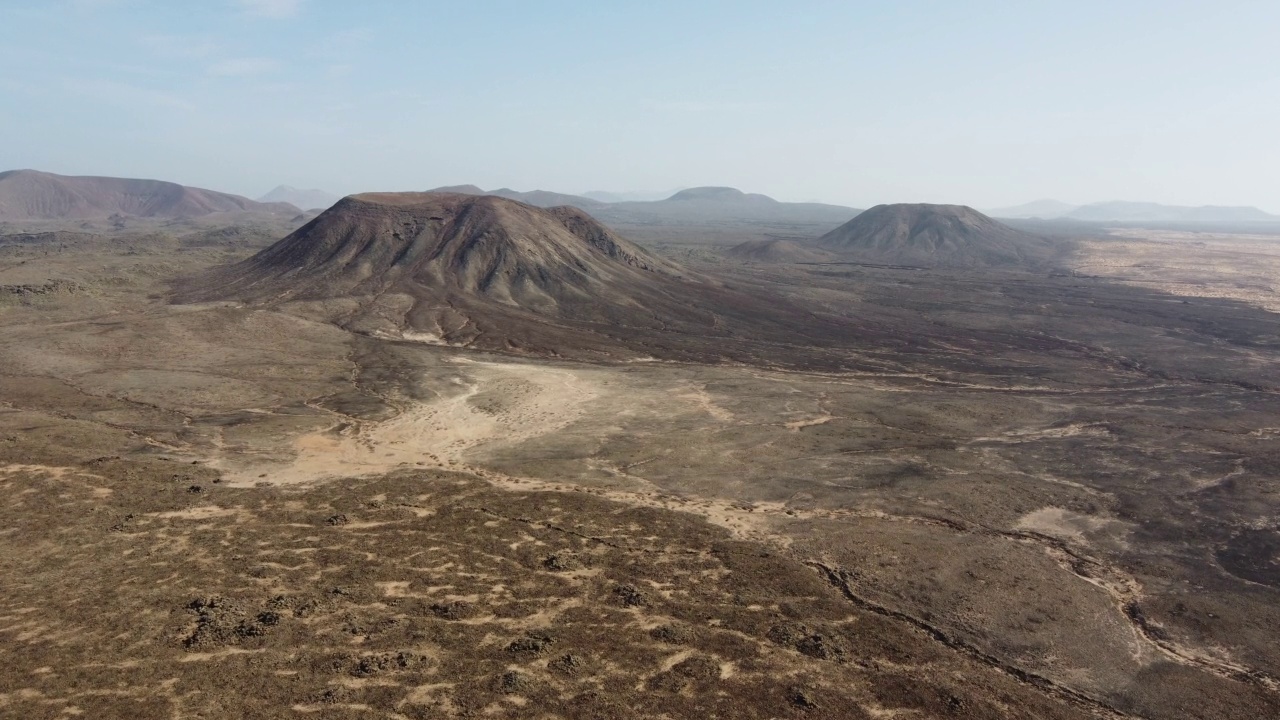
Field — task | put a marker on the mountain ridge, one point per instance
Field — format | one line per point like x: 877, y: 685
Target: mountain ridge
x: 1128, y: 211
x: 1123, y: 211
x: 1046, y: 209
x: 537, y: 198
x: 37, y: 195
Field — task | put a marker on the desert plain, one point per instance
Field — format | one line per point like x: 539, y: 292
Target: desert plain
x: 1003, y: 493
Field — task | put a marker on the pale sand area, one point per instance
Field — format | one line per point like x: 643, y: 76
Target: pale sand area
x: 1242, y: 267
x: 490, y: 402
x: 494, y: 406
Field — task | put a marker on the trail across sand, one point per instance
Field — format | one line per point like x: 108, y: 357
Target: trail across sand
x: 489, y: 403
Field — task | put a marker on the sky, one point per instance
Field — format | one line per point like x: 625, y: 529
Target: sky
x: 856, y: 103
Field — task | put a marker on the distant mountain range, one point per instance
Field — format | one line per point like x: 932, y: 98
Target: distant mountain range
x: 537, y: 198
x: 716, y: 205
x: 619, y: 197
x: 699, y: 206
x: 1043, y: 209
x: 1132, y: 212
x: 305, y: 199
x: 1147, y: 212
x: 34, y: 195
x: 720, y: 206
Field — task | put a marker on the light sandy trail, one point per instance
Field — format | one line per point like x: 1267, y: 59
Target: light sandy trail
x: 498, y: 405
x: 521, y: 402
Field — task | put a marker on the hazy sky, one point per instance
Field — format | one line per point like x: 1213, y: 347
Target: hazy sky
x: 984, y: 103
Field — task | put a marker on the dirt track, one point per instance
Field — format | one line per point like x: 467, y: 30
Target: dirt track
x: 486, y: 404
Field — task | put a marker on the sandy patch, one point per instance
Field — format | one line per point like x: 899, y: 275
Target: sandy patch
x: 1062, y: 523
x: 492, y: 403
x: 703, y: 399
x: 55, y: 472
x: 798, y: 425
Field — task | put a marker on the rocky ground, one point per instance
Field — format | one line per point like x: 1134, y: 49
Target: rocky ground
x: 1059, y: 501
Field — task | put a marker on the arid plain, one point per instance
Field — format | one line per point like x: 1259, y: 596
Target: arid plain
x: 1044, y: 493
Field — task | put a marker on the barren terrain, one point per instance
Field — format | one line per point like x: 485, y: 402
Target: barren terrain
x: 1047, y: 495
x: 1241, y: 267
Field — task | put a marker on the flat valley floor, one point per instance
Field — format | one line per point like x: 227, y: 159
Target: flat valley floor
x: 1060, y: 501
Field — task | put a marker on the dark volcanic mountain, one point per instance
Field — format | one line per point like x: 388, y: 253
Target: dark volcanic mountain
x: 935, y: 236
x: 34, y: 195
x: 497, y: 274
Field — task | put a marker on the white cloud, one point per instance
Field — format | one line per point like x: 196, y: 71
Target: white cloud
x: 241, y: 67
x: 270, y: 8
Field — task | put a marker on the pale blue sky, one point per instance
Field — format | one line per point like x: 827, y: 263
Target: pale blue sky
x: 984, y: 103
